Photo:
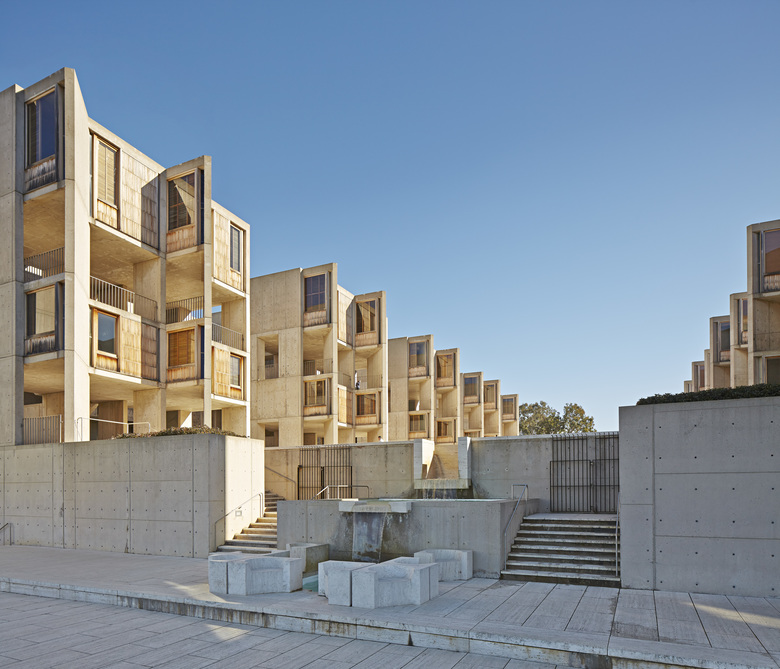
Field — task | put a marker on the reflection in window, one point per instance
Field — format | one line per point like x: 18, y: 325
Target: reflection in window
x: 772, y: 252
x: 41, y: 128
x: 181, y: 201
x: 314, y: 393
x: 418, y: 354
x: 235, y: 371
x: 106, y: 342
x: 490, y: 393
x: 366, y: 405
x: 314, y: 288
x: 40, y: 312
x: 366, y: 316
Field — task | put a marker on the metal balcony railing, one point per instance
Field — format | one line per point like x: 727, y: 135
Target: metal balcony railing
x: 44, y: 264
x: 271, y: 370
x: 226, y: 336
x: 121, y: 298
x: 189, y: 309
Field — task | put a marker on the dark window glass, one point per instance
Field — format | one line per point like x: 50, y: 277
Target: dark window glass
x: 366, y: 316
x: 773, y: 370
x: 315, y: 293
x: 444, y: 366
x: 40, y: 312
x: 42, y: 128
x: 470, y: 386
x: 106, y: 333
x: 725, y: 339
x: 772, y: 252
x: 417, y: 354
x: 235, y: 371
x: 366, y: 405
x: 509, y: 406
x: 235, y: 249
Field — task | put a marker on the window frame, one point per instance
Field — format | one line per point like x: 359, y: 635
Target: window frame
x: 191, y: 217
x: 360, y: 319
x: 449, y: 367
x: 362, y: 400
x: 100, y: 177
x: 419, y: 418
x: 235, y: 248
x: 31, y: 161
x: 33, y: 294
x: 467, y: 381
x: 240, y: 372
x: 115, y: 318
x: 421, y: 351
x: 191, y: 353
x: 309, y: 307
x: 316, y: 396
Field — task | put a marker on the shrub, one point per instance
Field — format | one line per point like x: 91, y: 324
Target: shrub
x: 173, y: 431
x: 738, y: 393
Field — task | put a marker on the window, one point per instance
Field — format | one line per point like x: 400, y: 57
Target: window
x: 106, y: 173
x: 418, y: 354
x: 314, y: 287
x: 366, y: 316
x: 490, y: 393
x: 773, y: 370
x: 106, y: 341
x: 722, y: 341
x: 772, y: 252
x: 508, y: 406
x: 698, y: 376
x: 417, y: 423
x: 181, y: 348
x: 41, y: 312
x: 314, y: 393
x: 443, y: 428
x: 366, y: 405
x: 235, y: 371
x: 444, y: 366
x: 235, y: 248
x: 742, y: 315
x: 41, y: 128
x: 181, y: 201
x: 470, y: 388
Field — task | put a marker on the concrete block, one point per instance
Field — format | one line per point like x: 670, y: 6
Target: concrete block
x: 218, y: 576
x: 335, y: 580
x: 454, y: 565
x: 256, y: 575
x: 312, y: 555
x: 433, y: 572
x: 391, y: 584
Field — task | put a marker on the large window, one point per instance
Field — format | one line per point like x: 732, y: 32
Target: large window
x: 182, y: 208
x: 508, y: 404
x: 418, y: 354
x: 443, y: 428
x: 366, y: 316
x: 235, y: 371
x: 490, y: 393
x: 366, y: 405
x: 235, y: 248
x: 417, y: 423
x: 699, y: 376
x: 106, y: 173
x: 315, y: 393
x: 772, y: 252
x: 773, y: 370
x: 41, y: 312
x: 181, y: 348
x: 742, y: 315
x: 470, y: 388
x: 445, y: 366
x: 106, y: 339
x: 314, y: 287
x: 723, y: 341
x: 41, y: 128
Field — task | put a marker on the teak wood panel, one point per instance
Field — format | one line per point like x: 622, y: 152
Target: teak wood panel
x: 106, y: 214
x: 220, y: 375
x: 222, y: 270
x: 182, y: 238
x: 139, y: 196
x: 130, y: 347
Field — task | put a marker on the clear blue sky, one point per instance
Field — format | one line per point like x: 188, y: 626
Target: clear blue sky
x: 560, y: 189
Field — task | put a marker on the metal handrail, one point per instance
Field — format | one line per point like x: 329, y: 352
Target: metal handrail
x: 10, y: 527
x: 226, y: 336
x: 233, y: 510
x: 338, y: 487
x: 509, y: 522
x: 79, y: 424
x: 617, y: 537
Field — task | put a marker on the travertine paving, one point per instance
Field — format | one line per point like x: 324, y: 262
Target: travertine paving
x: 540, y: 622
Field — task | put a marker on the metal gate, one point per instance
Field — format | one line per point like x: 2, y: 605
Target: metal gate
x: 325, y: 466
x: 584, y: 473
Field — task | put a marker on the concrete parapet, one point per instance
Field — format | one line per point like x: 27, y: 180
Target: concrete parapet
x: 454, y: 565
x: 393, y: 584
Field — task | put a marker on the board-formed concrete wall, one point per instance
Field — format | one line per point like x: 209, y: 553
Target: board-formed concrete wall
x: 154, y: 495
x: 700, y: 497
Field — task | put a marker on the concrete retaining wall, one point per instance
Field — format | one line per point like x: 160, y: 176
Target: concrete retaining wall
x: 700, y: 497
x: 158, y: 495
x: 476, y: 525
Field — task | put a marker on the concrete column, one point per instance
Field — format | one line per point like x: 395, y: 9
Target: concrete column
x: 149, y: 406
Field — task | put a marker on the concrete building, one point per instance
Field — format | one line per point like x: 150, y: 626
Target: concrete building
x: 321, y: 372
x: 127, y: 283
x: 745, y: 344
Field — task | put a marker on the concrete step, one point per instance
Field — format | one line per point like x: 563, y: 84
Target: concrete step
x: 251, y: 534
x: 254, y: 550
x: 248, y: 543
x: 591, y: 534
x: 589, y: 549
x: 566, y: 567
x: 556, y: 577
x: 547, y: 557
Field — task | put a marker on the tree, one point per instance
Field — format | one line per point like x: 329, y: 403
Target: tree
x: 541, y: 418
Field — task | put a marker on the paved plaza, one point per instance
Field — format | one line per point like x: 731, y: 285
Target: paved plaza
x: 86, y: 609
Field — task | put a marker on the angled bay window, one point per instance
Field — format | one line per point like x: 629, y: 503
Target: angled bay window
x: 315, y: 293
x: 742, y: 318
x: 508, y: 408
x: 366, y: 405
x: 182, y: 204
x: 366, y: 316
x: 182, y: 363
x: 490, y: 394
x: 41, y: 128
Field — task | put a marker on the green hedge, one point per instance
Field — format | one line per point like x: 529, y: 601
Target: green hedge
x: 173, y: 431
x: 738, y: 393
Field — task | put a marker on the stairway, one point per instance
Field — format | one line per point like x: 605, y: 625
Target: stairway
x: 260, y: 536
x: 575, y: 548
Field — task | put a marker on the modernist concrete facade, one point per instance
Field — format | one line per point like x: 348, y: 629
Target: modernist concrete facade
x: 745, y: 343
x: 321, y: 372
x: 127, y: 283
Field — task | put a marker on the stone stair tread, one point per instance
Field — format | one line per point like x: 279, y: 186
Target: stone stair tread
x: 553, y: 575
x: 597, y: 559
x: 545, y: 566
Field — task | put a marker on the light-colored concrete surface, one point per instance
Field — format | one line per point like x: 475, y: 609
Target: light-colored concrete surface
x: 523, y: 622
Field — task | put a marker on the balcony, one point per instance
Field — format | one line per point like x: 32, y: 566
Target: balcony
x: 43, y: 265
x: 771, y: 283
x: 187, y: 372
x: 315, y: 367
x: 120, y: 298
x: 41, y: 343
x: 315, y: 398
x: 179, y: 311
x: 271, y: 370
x: 418, y: 371
x: 724, y: 356
x: 227, y: 337
x: 472, y: 398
